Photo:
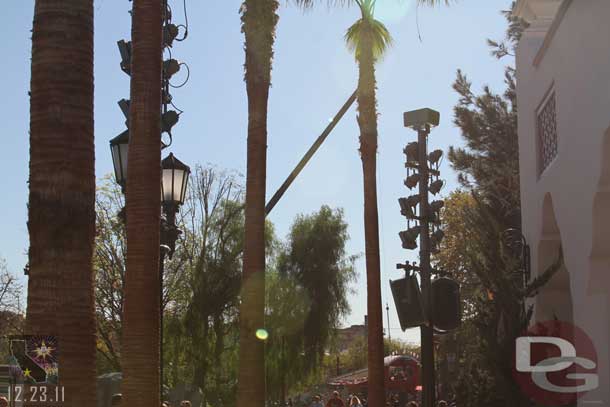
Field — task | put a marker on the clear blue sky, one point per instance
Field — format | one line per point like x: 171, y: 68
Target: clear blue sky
x: 313, y: 75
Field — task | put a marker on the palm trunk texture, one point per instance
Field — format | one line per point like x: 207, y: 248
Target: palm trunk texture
x: 61, y: 208
x: 140, y: 350
x: 367, y: 121
x: 259, y: 20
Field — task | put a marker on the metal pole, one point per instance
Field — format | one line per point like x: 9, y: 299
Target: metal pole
x: 312, y: 150
x: 387, y: 309
x: 427, y: 344
x: 161, y: 267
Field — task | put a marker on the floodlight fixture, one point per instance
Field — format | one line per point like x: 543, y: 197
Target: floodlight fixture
x: 411, y: 181
x: 409, y: 238
x: 125, y: 50
x: 407, y: 206
x: 170, y: 32
x: 412, y: 152
x: 435, y: 156
x: 436, y: 206
x: 419, y: 119
x: 168, y: 120
x: 170, y: 67
x: 436, y: 186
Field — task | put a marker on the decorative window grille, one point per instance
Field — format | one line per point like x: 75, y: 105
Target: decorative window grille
x: 547, y: 133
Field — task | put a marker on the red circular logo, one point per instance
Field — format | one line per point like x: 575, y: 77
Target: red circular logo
x: 555, y: 363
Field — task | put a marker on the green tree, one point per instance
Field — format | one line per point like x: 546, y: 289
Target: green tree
x: 316, y: 259
x: 308, y: 296
x: 474, y: 250
x: 11, y: 312
x: 490, y: 161
x: 61, y: 212
x: 201, y: 283
x: 109, y: 268
x: 213, y: 219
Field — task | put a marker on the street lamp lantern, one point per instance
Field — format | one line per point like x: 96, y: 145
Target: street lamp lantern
x: 173, y: 182
x: 119, y: 147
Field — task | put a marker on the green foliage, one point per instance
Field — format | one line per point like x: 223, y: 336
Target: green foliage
x: 315, y: 258
x: 368, y: 33
x: 307, y: 297
x: 109, y: 268
x: 474, y: 251
x: 12, y: 316
x: 202, y: 282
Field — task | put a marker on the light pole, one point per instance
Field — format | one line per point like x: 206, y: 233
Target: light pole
x: 174, y: 181
x: 387, y: 310
x: 418, y: 161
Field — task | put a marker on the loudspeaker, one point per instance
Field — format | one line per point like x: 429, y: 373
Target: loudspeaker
x: 446, y: 306
x: 408, y: 301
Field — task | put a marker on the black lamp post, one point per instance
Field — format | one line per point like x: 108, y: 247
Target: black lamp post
x: 174, y: 181
x: 119, y: 147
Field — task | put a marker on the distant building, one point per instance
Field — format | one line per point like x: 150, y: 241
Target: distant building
x: 348, y: 336
x: 563, y: 92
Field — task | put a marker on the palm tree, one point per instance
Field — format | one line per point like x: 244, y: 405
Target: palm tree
x: 61, y: 208
x: 369, y: 39
x: 140, y: 346
x: 259, y: 19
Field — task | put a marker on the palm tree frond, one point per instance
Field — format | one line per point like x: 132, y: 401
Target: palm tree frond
x: 306, y: 4
x: 368, y: 30
x: 433, y: 3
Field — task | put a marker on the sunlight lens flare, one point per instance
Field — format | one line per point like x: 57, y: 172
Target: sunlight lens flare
x: 388, y: 11
x: 262, y: 334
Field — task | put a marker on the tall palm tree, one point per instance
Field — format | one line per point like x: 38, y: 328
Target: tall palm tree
x: 369, y: 39
x: 259, y: 19
x: 140, y: 346
x: 61, y: 208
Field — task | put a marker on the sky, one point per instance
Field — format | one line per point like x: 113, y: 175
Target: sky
x: 313, y: 74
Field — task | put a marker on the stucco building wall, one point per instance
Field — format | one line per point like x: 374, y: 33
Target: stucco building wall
x: 566, y: 53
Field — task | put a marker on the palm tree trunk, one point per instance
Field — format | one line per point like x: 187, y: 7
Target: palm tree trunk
x: 61, y: 208
x: 259, y: 20
x: 367, y: 121
x: 141, y: 330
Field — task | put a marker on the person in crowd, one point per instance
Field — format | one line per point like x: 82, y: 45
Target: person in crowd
x: 116, y: 399
x: 335, y: 400
x: 442, y: 403
x: 3, y: 401
x: 364, y: 402
x: 355, y: 402
x: 317, y: 401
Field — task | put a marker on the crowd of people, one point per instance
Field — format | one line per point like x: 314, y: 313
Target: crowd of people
x: 352, y: 400
x: 334, y: 400
x: 117, y: 399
